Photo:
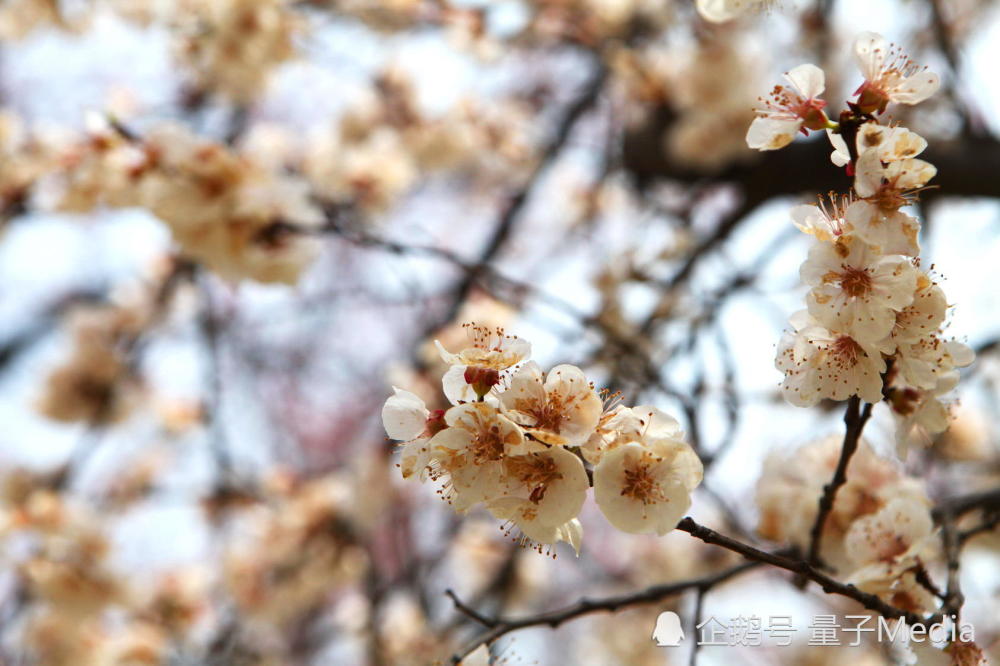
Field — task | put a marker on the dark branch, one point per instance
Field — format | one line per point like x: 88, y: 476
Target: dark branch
x: 587, y: 606
x: 855, y: 421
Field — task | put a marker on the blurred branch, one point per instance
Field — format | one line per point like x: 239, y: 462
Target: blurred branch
x: 210, y: 328
x: 965, y: 166
x: 958, y: 506
x: 511, y: 213
x: 945, y: 43
x: 953, y: 597
x: 462, y: 608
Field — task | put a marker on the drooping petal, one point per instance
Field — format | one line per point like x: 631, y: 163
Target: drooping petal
x: 656, y: 424
x: 868, y: 174
x: 961, y: 354
x: 415, y: 458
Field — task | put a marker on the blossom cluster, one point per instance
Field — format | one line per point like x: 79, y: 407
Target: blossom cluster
x: 231, y: 46
x: 879, y: 530
x: 520, y: 441
x: 291, y: 543
x: 384, y: 142
x: 254, y: 210
x: 873, y: 325
x: 62, y: 556
x: 226, y: 210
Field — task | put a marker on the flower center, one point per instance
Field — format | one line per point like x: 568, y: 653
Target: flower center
x: 535, y: 471
x: 846, y: 350
x: 641, y: 484
x: 889, y: 199
x: 488, y: 445
x: 855, y: 282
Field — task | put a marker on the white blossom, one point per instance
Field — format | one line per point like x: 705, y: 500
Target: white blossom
x: 721, y: 11
x: 822, y: 363
x: 824, y: 220
x: 629, y: 424
x: 561, y: 409
x: 789, y: 110
x: 923, y: 315
x: 406, y: 419
x: 471, y: 452
x: 644, y: 486
x: 856, y: 289
x: 890, y: 76
x: 891, y: 143
x: 895, y: 533
x: 883, y: 190
x: 476, y: 369
x: 543, y: 490
x: 792, y: 481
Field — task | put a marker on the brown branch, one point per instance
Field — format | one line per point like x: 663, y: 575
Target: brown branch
x: 212, y: 331
x: 987, y: 525
x: 797, y: 566
x: 755, y: 556
x: 587, y: 606
x: 855, y: 422
x: 471, y: 612
x: 805, y: 168
x: 958, y: 506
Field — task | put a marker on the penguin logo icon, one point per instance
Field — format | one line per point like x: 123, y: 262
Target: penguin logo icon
x: 668, y: 632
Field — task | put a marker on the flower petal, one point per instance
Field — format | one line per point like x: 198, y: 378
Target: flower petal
x: 869, y: 54
x: 771, y: 133
x: 404, y: 415
x: 916, y: 88
x: 808, y: 79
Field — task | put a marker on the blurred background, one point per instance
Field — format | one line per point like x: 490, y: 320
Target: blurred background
x: 229, y: 227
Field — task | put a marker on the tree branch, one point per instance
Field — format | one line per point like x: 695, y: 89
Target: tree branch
x: 586, y: 606
x: 855, y: 422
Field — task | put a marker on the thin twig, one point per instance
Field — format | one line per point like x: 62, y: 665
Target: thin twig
x: 471, y: 612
